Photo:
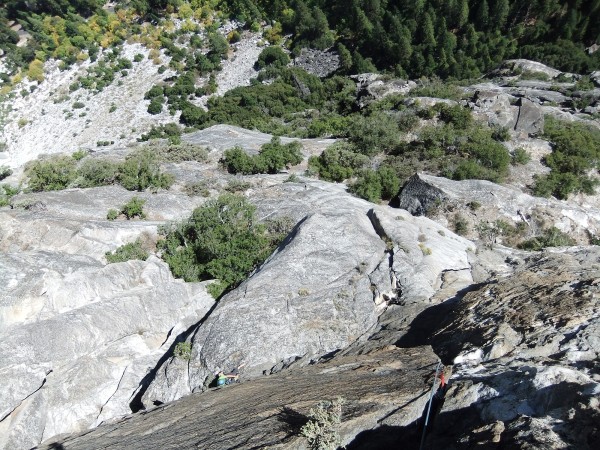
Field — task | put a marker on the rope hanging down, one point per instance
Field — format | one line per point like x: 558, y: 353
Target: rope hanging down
x: 433, y: 391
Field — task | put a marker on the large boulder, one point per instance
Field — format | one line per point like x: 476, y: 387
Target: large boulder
x: 530, y: 119
x: 521, y: 115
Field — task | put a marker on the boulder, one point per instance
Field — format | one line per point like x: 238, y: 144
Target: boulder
x: 530, y: 119
x: 525, y: 65
x: 495, y: 107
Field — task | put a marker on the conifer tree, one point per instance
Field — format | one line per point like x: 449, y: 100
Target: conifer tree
x: 482, y: 18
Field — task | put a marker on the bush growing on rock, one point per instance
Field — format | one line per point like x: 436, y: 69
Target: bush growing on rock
x: 551, y: 237
x: 322, y: 429
x: 575, y: 151
x: 141, y: 171
x: 52, y: 174
x: 520, y: 156
x: 272, y: 157
x: 6, y: 193
x: 338, y: 162
x: 376, y: 185
x: 127, y: 252
x: 97, y: 172
x: 222, y: 240
x: 134, y: 208
x: 374, y: 134
x: 183, y: 350
x: 175, y: 153
x: 5, y: 172
x: 112, y: 214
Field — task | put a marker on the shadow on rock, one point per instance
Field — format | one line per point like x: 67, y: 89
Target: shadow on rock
x: 292, y: 421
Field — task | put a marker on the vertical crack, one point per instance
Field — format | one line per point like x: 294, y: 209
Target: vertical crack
x: 113, y: 394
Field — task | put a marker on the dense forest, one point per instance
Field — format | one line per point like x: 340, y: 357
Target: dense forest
x: 448, y: 38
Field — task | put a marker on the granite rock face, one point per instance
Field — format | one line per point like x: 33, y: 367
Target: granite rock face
x: 501, y: 109
x: 526, y: 355
x: 322, y: 290
x: 76, y: 340
x: 423, y: 193
x: 386, y: 388
x: 371, y: 87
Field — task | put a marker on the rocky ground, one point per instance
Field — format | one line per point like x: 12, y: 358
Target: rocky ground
x: 359, y: 301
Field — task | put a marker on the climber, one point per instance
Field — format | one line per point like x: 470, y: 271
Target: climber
x: 232, y: 376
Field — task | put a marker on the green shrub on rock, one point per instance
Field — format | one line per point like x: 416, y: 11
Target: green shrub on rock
x: 133, y: 250
x: 5, y: 172
x: 52, y: 174
x: 575, y: 151
x: 141, y: 171
x: 134, y: 208
x: 222, y: 240
x: 97, y: 172
x: 273, y: 157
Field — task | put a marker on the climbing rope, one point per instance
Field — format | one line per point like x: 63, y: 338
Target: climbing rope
x: 433, y: 390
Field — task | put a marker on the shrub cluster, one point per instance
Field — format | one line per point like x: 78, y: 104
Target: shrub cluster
x: 138, y: 172
x: 222, y: 240
x: 456, y: 147
x: 551, y: 237
x: 575, y: 152
x: 272, y: 157
x: 338, y: 162
x: 6, y: 193
x: 133, y: 250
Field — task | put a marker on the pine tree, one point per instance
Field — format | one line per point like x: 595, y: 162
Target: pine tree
x: 482, y: 18
x: 463, y: 13
x: 427, y: 32
x: 499, y: 14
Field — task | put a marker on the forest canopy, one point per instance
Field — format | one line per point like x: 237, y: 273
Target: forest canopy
x: 447, y: 38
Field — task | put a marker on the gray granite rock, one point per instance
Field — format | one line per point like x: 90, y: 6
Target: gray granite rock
x: 422, y: 192
x: 87, y: 335
x: 384, y: 389
x: 322, y: 290
x: 530, y: 119
x: 522, y: 355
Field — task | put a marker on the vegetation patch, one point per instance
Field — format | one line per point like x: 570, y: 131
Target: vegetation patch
x: 273, y: 157
x: 322, y: 429
x: 575, y: 152
x: 127, y: 252
x: 222, y: 240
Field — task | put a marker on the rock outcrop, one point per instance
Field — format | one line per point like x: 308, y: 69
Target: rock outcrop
x: 322, y: 290
x: 526, y: 352
x: 371, y: 87
x: 77, y: 337
x: 387, y: 389
x: 423, y: 192
x: 520, y: 115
